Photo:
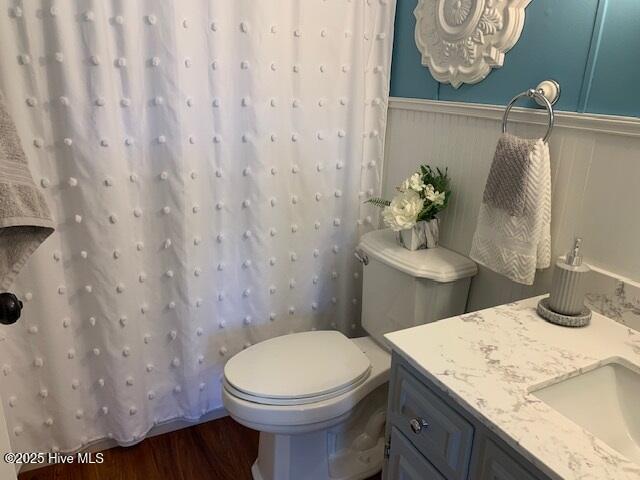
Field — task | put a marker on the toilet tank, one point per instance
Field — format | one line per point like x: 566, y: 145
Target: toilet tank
x: 402, y: 289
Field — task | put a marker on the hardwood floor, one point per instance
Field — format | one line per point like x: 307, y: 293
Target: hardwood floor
x: 217, y: 450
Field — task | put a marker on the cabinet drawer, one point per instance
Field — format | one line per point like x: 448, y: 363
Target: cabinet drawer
x: 437, y: 431
x: 406, y: 463
x: 496, y: 464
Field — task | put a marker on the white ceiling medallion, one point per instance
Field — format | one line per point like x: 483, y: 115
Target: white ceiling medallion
x: 462, y: 40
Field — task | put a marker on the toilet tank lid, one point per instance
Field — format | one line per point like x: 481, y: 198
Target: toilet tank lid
x: 437, y: 264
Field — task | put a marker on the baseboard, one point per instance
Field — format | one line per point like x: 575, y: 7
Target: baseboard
x: 160, y: 429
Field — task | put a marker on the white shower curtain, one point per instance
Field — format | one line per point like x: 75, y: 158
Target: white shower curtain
x: 206, y: 162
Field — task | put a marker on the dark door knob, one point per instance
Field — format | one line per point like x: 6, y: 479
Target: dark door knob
x: 10, y: 308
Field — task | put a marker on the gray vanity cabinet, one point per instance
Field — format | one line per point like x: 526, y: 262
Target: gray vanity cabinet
x: 495, y: 464
x: 429, y: 436
x: 405, y: 463
x: 438, y: 431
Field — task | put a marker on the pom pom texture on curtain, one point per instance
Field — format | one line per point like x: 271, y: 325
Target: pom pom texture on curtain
x: 206, y: 164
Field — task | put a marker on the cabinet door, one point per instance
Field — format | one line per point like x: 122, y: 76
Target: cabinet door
x: 495, y: 464
x: 439, y: 433
x: 406, y: 463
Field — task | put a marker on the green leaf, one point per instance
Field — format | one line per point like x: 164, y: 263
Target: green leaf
x: 440, y: 181
x: 378, y: 202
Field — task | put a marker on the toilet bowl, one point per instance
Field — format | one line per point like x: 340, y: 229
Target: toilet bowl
x: 318, y: 437
x: 319, y: 398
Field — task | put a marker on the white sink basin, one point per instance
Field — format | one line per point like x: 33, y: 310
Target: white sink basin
x: 604, y: 401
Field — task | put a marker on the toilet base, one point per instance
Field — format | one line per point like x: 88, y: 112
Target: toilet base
x: 350, y: 450
x: 255, y: 471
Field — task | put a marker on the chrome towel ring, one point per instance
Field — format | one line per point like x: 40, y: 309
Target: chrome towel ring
x: 545, y: 94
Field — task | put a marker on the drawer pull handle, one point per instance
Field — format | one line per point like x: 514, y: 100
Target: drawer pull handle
x: 418, y: 424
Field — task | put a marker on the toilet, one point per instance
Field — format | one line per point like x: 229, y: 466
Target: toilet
x: 319, y: 398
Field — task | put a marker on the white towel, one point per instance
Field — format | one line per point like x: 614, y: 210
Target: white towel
x: 25, y: 221
x: 514, y: 242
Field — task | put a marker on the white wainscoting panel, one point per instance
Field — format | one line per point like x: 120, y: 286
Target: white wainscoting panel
x: 595, y: 162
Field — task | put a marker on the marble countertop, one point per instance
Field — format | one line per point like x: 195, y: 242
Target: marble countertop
x: 488, y: 361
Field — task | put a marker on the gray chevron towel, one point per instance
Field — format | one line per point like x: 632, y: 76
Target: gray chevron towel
x: 513, y: 233
x: 506, y: 185
x: 25, y: 221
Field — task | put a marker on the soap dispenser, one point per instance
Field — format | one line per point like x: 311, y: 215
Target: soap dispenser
x: 565, y: 304
x: 567, y: 286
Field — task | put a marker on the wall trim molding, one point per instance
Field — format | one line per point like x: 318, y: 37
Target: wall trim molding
x: 611, y: 124
x: 592, y: 58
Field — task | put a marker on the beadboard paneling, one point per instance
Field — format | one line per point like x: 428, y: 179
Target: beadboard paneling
x: 595, y: 164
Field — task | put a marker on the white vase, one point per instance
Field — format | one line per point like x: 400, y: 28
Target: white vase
x: 423, y: 235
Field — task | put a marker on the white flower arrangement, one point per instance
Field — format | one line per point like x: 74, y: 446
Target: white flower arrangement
x: 420, y: 197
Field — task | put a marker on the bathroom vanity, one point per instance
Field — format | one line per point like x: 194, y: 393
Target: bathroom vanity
x: 501, y: 394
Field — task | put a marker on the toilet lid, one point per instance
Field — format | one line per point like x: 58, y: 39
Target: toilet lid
x: 297, y: 366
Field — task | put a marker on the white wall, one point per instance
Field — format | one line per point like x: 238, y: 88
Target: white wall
x: 595, y: 174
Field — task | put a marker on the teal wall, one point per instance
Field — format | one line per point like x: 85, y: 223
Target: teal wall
x: 592, y: 47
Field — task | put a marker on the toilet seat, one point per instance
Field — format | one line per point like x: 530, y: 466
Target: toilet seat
x: 297, y: 369
x: 301, y: 418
